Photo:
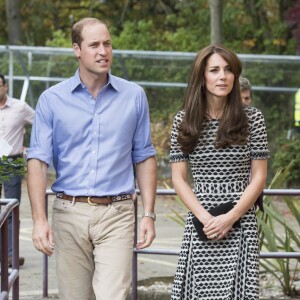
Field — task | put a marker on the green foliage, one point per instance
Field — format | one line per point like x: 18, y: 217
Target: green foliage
x: 9, y: 167
x: 136, y: 36
x: 59, y: 39
x: 277, y: 107
x: 165, y: 25
x: 262, y: 27
x: 288, y: 154
x: 278, y: 234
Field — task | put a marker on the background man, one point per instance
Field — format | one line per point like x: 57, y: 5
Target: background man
x: 14, y: 116
x: 96, y: 129
x: 246, y: 96
x: 246, y: 91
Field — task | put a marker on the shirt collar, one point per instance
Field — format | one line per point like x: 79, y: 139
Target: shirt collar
x: 112, y: 81
x: 8, y: 102
x: 75, y: 81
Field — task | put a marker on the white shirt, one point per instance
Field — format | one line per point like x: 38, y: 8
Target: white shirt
x: 14, y: 116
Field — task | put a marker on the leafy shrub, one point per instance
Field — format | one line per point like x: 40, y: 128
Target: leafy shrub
x: 289, y: 153
x: 278, y: 234
x: 9, y: 167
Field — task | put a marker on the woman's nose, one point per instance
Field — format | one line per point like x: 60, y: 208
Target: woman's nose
x: 223, y: 74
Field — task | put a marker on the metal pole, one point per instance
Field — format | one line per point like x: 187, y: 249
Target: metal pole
x: 45, y: 260
x: 7, y: 282
x: 11, y: 73
x: 24, y: 89
x: 4, y: 256
x: 16, y: 250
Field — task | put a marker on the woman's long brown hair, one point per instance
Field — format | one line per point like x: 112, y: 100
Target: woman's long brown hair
x: 233, y: 127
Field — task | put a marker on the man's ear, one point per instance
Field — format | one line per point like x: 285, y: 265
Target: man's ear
x: 76, y: 50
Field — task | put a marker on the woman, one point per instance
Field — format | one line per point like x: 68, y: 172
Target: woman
x: 223, y: 142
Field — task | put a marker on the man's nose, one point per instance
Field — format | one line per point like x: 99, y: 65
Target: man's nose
x: 102, y: 49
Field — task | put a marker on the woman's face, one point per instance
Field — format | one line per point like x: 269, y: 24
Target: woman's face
x: 218, y: 77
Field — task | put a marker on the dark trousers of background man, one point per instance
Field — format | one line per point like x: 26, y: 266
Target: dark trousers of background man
x: 12, y: 190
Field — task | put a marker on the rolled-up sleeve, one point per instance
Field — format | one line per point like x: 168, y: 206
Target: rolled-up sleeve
x: 41, y: 144
x: 142, y: 142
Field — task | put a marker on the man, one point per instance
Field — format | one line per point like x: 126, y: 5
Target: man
x: 96, y: 129
x: 246, y: 97
x: 246, y: 91
x: 14, y: 116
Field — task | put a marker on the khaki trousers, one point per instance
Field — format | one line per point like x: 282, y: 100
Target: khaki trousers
x: 93, y: 249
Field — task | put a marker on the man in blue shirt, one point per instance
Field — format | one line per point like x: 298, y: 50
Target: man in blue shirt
x: 95, y: 128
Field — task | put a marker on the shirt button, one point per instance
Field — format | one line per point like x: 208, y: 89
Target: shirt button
x: 93, y: 151
x: 93, y: 171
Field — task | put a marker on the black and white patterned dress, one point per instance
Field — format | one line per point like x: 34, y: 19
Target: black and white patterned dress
x: 227, y: 269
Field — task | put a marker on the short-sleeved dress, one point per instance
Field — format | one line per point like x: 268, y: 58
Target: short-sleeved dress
x: 227, y: 269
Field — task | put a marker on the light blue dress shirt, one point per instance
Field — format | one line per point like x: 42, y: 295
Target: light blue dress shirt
x: 93, y: 143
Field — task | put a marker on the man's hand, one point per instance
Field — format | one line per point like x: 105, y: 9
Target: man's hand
x: 147, y: 233
x: 42, y: 237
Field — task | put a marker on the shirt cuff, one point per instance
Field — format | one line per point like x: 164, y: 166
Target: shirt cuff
x: 142, y: 154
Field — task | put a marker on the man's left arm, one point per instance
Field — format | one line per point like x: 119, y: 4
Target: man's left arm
x: 28, y: 114
x: 146, y: 172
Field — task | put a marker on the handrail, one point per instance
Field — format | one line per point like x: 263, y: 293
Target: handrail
x: 145, y: 53
x: 262, y: 254
x: 15, y: 51
x: 11, y: 281
x: 267, y: 192
x: 171, y: 192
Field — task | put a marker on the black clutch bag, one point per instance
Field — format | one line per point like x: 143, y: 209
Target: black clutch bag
x: 259, y: 202
x: 218, y: 210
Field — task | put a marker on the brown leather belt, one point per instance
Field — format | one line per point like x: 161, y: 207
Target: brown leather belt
x: 94, y: 200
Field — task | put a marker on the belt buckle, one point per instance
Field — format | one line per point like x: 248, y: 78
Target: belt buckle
x: 91, y: 203
x: 59, y: 195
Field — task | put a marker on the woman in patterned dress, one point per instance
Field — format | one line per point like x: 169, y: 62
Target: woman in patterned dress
x: 222, y: 142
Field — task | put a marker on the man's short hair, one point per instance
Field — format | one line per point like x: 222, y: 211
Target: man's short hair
x: 78, y: 26
x: 245, y: 84
x: 3, y: 78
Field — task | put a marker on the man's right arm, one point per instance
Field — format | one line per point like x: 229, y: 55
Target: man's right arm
x: 37, y: 182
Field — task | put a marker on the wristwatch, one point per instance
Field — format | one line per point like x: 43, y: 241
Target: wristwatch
x: 150, y: 215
